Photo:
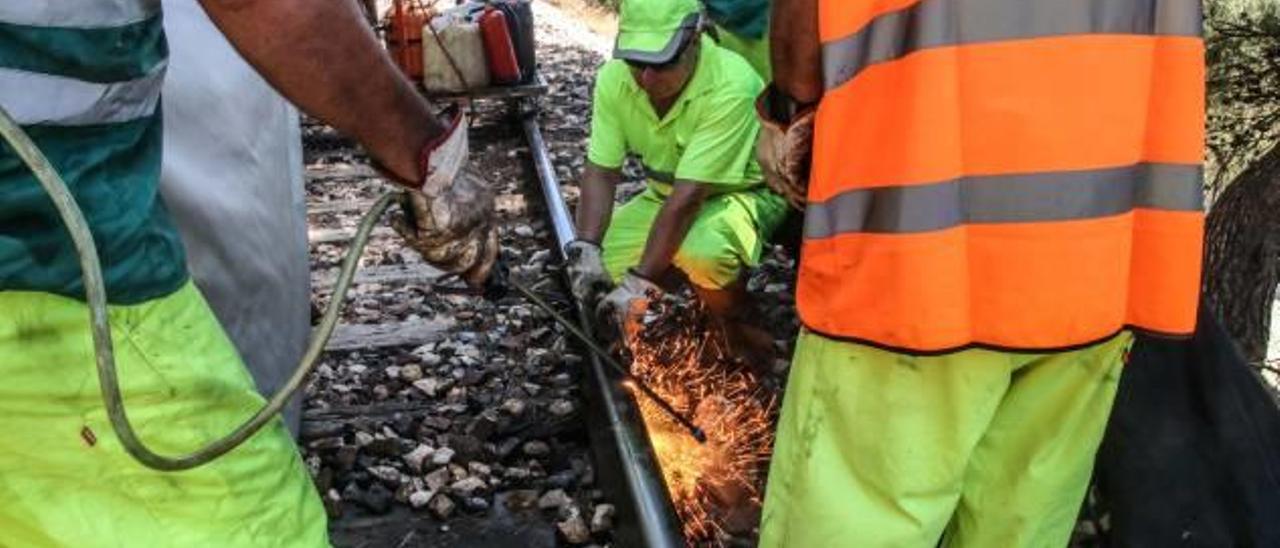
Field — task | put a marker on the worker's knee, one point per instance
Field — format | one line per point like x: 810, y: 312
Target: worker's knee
x: 709, y: 264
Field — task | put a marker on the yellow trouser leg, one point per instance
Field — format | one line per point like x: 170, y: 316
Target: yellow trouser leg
x: 728, y: 235
x: 65, y: 480
x: 1028, y: 476
x: 878, y: 449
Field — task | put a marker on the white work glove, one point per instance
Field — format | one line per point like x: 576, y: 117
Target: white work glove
x: 587, y: 277
x: 624, y: 307
x: 448, y: 218
x: 443, y: 159
x: 785, y: 147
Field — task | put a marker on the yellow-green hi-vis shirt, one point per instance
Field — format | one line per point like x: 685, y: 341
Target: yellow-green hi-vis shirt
x: 708, y: 136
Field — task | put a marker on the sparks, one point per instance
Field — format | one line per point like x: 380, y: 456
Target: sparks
x: 716, y: 487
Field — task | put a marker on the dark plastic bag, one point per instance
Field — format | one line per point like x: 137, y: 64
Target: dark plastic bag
x: 1191, y: 455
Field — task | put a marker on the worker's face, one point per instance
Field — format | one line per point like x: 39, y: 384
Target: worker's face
x: 666, y: 81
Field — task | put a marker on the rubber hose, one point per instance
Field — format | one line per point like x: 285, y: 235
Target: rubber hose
x: 108, y: 380
x: 95, y: 296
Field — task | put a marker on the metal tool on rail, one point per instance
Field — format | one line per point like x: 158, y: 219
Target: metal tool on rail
x: 95, y: 297
x: 607, y: 358
x: 499, y: 285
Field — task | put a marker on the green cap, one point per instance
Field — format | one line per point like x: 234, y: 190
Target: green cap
x: 652, y: 31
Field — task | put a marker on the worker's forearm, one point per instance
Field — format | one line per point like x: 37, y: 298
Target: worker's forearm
x: 670, y: 227
x: 322, y: 56
x: 595, y: 201
x: 796, y: 49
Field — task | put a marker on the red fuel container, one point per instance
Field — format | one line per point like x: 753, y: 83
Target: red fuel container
x: 498, y: 49
x: 404, y: 37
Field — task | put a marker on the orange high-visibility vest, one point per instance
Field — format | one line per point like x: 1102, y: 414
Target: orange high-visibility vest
x: 1018, y: 174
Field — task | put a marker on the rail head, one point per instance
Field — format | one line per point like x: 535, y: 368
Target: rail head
x: 625, y: 459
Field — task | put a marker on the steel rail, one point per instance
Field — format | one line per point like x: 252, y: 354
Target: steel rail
x: 617, y: 432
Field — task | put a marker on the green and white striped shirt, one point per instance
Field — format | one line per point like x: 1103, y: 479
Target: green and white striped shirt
x: 83, y: 78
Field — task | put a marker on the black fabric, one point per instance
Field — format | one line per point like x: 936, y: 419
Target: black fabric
x: 1191, y: 455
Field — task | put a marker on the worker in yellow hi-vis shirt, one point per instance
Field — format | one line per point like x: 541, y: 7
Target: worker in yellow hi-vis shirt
x: 685, y: 107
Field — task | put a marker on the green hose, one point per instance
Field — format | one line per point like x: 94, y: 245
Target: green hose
x: 95, y: 296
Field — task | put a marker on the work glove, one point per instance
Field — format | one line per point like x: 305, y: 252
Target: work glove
x: 624, y: 307
x: 448, y: 218
x: 587, y: 277
x: 443, y: 158
x: 785, y: 147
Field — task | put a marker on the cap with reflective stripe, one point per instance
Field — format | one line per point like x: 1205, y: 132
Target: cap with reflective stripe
x: 651, y: 31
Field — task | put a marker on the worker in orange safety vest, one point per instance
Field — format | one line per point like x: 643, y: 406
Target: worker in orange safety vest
x: 1000, y: 193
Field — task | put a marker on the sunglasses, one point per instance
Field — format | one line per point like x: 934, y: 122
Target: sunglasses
x: 670, y: 64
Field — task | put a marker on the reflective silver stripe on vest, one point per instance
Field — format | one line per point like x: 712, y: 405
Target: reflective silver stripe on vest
x: 35, y: 98
x: 77, y: 13
x: 1024, y: 198
x: 938, y: 23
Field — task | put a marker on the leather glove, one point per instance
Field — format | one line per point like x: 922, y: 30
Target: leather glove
x: 587, y: 277
x: 449, y: 219
x: 785, y: 147
x: 624, y: 307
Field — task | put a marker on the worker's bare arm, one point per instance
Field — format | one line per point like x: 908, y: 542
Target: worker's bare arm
x: 670, y: 227
x: 796, y: 49
x: 323, y: 57
x: 595, y: 204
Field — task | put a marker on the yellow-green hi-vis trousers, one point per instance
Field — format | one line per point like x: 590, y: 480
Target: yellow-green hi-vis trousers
x: 65, y: 480
x: 728, y: 235
x: 978, y: 448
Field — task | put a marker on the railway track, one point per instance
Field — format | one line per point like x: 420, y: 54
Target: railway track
x: 441, y: 419
x: 509, y: 413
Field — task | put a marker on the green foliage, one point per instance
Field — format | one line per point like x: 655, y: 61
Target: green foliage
x: 1242, y: 40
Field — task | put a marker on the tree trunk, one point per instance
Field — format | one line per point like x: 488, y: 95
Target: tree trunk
x: 1242, y: 254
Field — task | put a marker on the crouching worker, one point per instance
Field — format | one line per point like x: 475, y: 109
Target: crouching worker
x: 684, y: 106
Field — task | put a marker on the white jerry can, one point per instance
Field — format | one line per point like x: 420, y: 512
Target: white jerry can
x: 461, y: 39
